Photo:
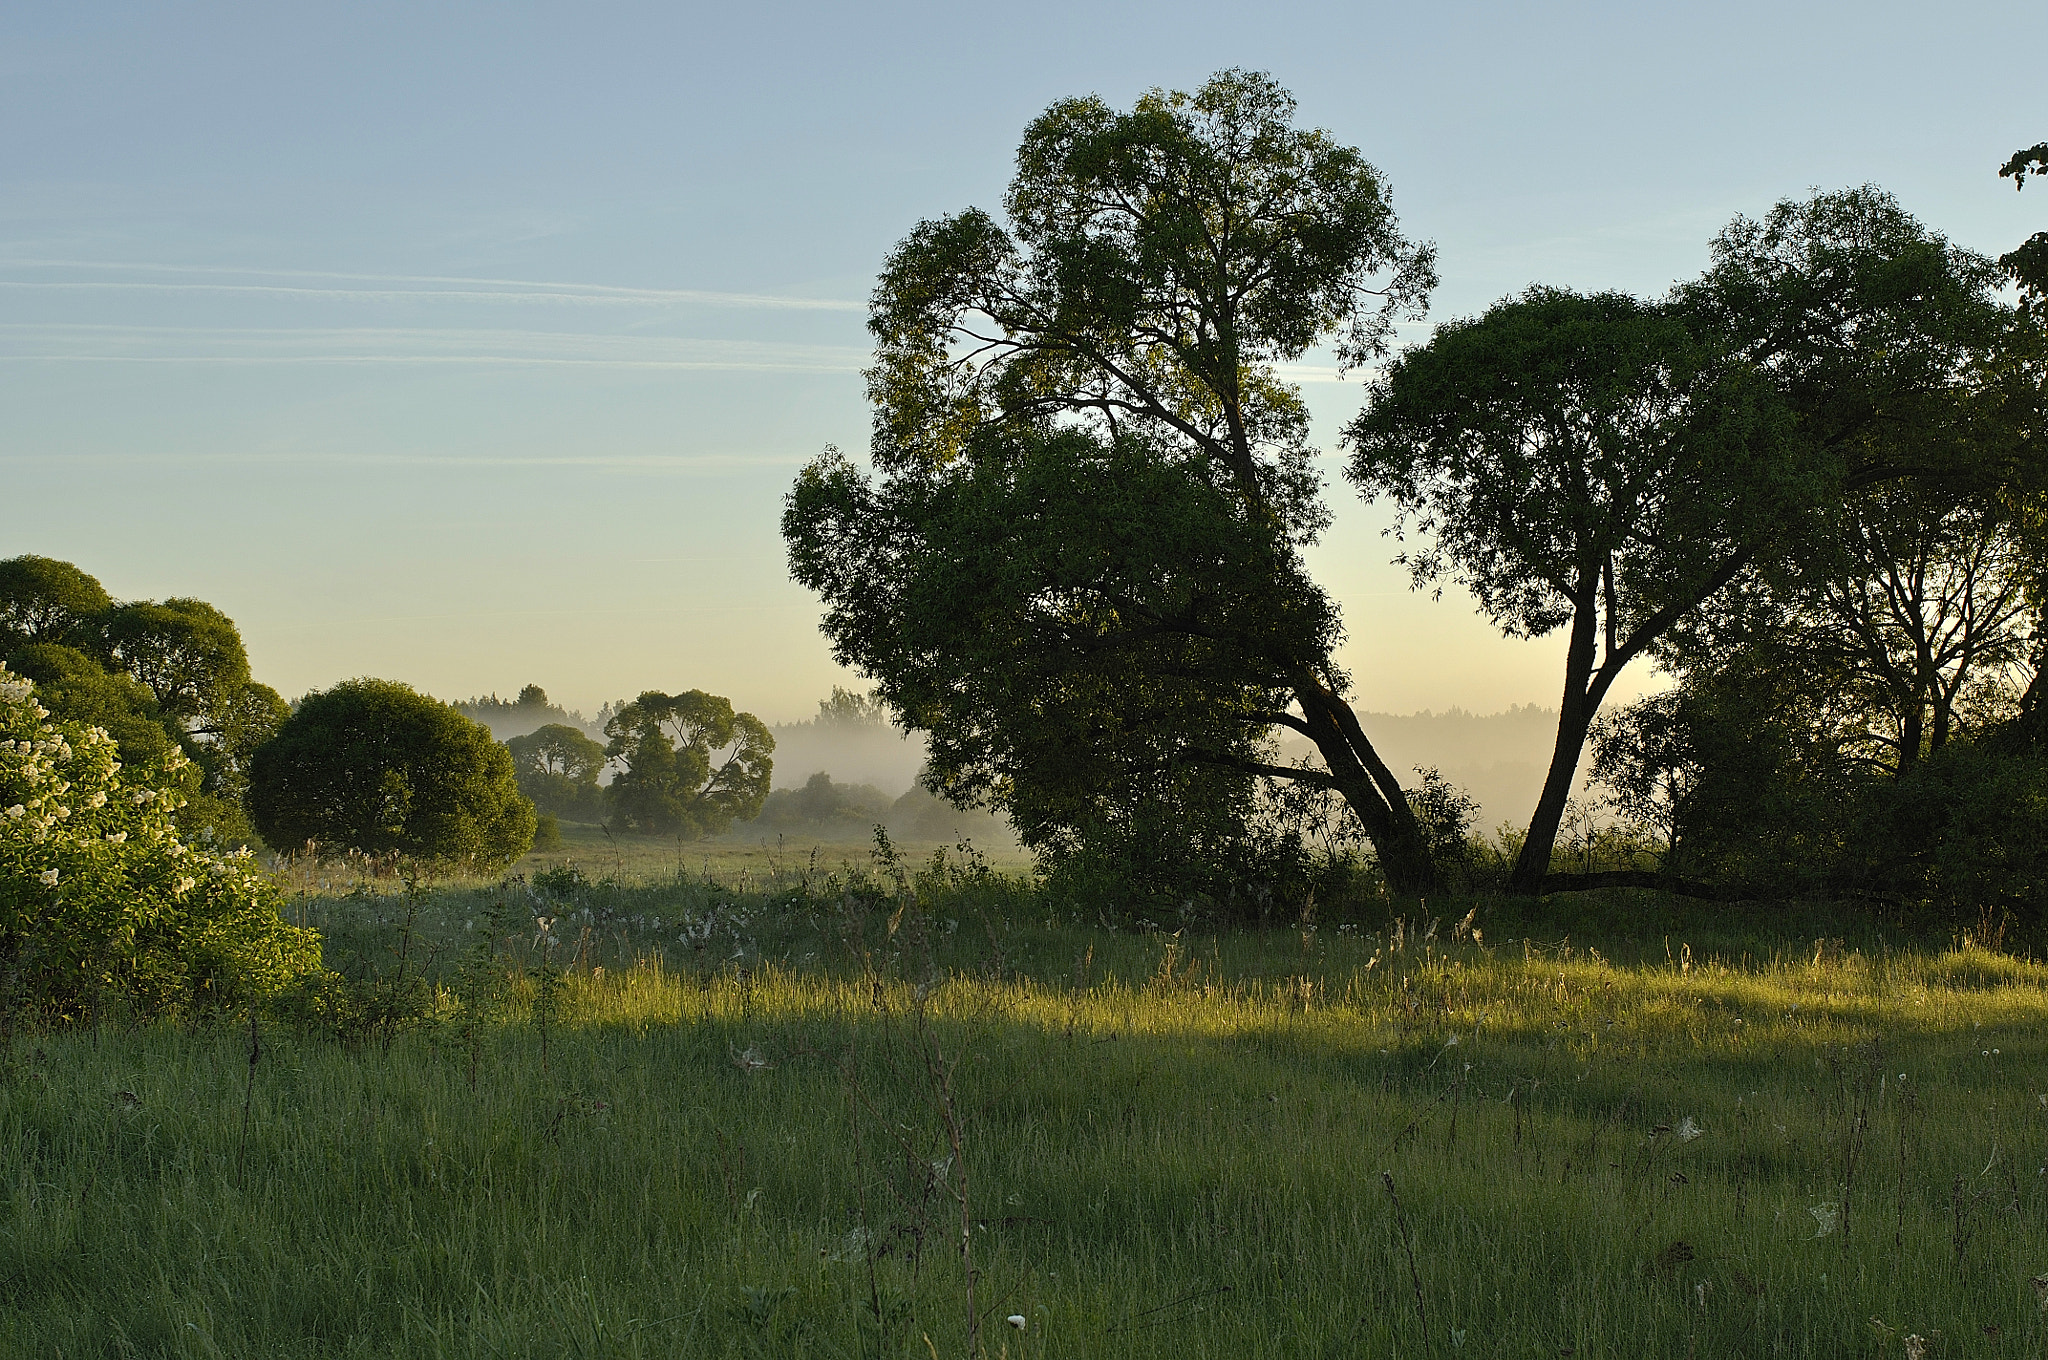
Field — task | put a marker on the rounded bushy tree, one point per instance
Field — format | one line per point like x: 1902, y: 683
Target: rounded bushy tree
x: 101, y: 900
x: 375, y: 766
x: 557, y: 767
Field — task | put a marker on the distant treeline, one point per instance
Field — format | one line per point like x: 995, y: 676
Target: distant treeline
x: 601, y: 771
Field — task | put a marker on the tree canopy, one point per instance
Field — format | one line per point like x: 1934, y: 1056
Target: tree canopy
x: 689, y: 765
x: 557, y: 767
x: 79, y: 689
x: 1585, y: 462
x: 177, y: 666
x: 43, y: 600
x: 1094, y: 482
x: 2027, y: 263
x: 373, y: 765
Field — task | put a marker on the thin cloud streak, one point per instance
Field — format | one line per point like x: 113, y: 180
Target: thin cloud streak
x: 709, y: 462
x: 690, y: 365
x: 61, y: 342
x: 467, y: 289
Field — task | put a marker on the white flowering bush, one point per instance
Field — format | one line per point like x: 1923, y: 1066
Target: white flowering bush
x: 102, y: 901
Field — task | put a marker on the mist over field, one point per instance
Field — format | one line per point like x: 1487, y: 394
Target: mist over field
x: 1496, y: 759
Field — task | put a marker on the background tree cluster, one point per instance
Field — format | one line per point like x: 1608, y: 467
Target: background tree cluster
x: 1807, y: 484
x: 157, y: 675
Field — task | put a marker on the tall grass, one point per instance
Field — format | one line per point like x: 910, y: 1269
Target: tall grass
x: 794, y: 1127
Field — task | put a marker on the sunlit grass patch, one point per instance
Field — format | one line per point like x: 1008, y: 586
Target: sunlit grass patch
x: 1153, y: 1145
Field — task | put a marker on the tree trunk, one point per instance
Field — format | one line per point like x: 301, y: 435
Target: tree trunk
x: 1370, y: 789
x: 1534, y: 862
x: 1574, y: 720
x: 1911, y: 730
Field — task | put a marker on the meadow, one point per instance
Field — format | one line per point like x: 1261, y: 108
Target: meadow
x: 867, y: 1111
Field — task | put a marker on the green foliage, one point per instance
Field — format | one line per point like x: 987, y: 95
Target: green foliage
x: 1564, y: 454
x: 102, y: 903
x: 1872, y: 327
x: 223, y: 745
x: 1093, y: 478
x: 1042, y: 608
x: 689, y: 765
x: 821, y: 801
x: 1581, y: 461
x: 1445, y: 812
x: 1756, y: 778
x: 1964, y: 833
x: 187, y: 652
x: 557, y: 767
x: 178, y: 667
x: 372, y: 765
x: 76, y: 688
x: 1890, y: 631
x: 2027, y: 264
x: 547, y: 832
x: 43, y: 600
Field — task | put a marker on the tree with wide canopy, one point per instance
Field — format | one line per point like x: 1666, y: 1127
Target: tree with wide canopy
x: 1649, y: 474
x: 1078, y: 566
x: 1585, y: 463
x: 688, y: 764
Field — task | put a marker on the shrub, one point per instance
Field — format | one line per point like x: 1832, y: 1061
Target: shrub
x: 373, y: 765
x: 101, y: 900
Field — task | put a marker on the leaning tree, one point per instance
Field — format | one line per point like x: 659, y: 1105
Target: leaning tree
x: 1078, y: 564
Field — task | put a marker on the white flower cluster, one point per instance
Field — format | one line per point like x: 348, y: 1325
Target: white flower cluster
x: 82, y: 839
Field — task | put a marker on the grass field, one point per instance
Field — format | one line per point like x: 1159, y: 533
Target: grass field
x: 744, y: 860
x: 807, y: 1123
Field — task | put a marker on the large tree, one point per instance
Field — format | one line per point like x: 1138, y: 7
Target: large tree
x: 1079, y: 566
x: 1644, y: 473
x: 43, y: 600
x: 189, y: 654
x: 373, y: 765
x: 191, y: 657
x: 1861, y: 669
x: 557, y: 767
x: 1901, y: 365
x: 178, y: 666
x: 688, y: 764
x: 1585, y: 463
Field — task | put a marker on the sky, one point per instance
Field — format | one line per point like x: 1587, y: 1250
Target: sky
x: 476, y: 345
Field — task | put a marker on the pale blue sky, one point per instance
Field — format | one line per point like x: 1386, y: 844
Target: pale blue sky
x: 475, y: 345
